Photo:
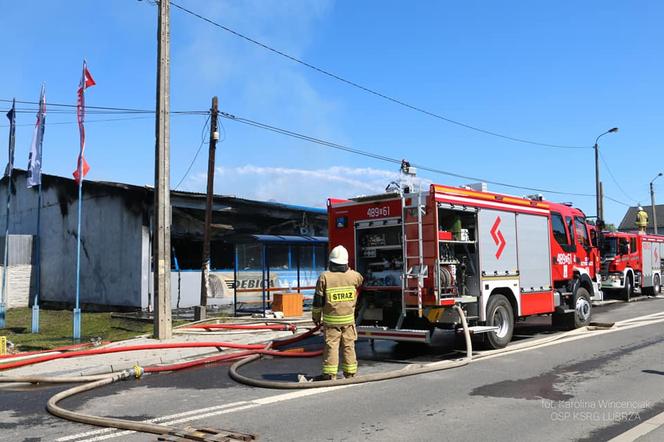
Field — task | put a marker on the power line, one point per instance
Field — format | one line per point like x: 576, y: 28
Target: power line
x: 613, y: 178
x: 373, y: 91
x: 103, y: 110
x: 120, y: 110
x: 74, y: 106
x: 617, y: 201
x: 385, y: 158
x: 86, y: 122
x: 193, y: 160
x: 103, y: 120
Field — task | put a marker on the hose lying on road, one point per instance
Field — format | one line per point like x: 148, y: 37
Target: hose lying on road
x: 254, y: 353
x: 442, y: 365
x: 254, y: 350
x: 52, y: 379
x: 103, y: 380
x: 265, y: 350
x: 409, y: 370
x: 53, y: 408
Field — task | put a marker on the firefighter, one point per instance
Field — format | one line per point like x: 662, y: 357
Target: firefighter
x: 334, y: 307
x: 641, y: 219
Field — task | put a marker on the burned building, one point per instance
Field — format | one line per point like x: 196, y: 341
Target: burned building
x: 116, y: 242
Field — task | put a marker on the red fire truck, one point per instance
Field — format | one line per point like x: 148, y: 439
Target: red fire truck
x: 632, y: 261
x: 500, y: 257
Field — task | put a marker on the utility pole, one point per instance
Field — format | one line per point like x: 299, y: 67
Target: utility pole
x: 598, y: 185
x: 652, y: 202
x: 654, y: 211
x: 200, y: 311
x: 598, y: 191
x: 601, y: 203
x: 162, y: 197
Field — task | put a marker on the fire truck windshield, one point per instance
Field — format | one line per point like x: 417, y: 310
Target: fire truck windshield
x: 610, y: 246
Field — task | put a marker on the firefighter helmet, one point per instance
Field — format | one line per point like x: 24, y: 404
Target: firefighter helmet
x: 339, y: 255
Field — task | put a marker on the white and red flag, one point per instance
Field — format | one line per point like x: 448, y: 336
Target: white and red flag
x: 35, y: 157
x: 82, y: 166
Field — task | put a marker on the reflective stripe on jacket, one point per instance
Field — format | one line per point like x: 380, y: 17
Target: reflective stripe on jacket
x: 336, y: 296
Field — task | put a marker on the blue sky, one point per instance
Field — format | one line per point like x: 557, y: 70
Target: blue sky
x: 556, y: 72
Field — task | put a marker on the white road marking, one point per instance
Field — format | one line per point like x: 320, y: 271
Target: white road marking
x: 172, y: 422
x: 203, y: 413
x: 192, y: 415
x: 641, y: 429
x: 515, y: 349
x: 154, y: 420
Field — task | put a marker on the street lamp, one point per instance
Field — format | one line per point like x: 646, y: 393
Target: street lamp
x: 652, y: 202
x: 598, y: 192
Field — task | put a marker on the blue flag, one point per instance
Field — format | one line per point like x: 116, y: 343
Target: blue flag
x: 35, y: 157
x: 12, y: 139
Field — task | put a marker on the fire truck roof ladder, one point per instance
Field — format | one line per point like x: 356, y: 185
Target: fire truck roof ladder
x: 413, y: 265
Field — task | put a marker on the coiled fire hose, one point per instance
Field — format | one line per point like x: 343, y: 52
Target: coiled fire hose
x: 102, y: 380
x: 409, y: 370
x: 97, y: 381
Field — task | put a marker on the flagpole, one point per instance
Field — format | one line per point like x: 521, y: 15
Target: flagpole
x: 10, y: 166
x: 41, y: 116
x: 35, y: 305
x: 81, y: 170
x: 6, y: 254
x: 77, y: 309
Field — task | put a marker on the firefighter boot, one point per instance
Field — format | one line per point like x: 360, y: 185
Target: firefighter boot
x: 326, y: 377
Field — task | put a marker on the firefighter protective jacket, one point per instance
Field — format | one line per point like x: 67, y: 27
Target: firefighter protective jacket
x: 641, y: 219
x: 335, y: 297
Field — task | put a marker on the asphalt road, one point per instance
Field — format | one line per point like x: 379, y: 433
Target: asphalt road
x: 587, y: 389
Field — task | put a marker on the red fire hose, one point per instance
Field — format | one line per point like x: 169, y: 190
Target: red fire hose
x: 264, y: 351
x: 58, y: 349
x: 100, y: 351
x: 276, y: 327
x: 103, y: 351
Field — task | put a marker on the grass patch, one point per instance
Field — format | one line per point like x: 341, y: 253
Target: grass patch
x: 56, y: 328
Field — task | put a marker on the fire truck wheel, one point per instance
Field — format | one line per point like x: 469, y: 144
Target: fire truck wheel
x: 581, y: 308
x: 628, y: 290
x: 499, y: 313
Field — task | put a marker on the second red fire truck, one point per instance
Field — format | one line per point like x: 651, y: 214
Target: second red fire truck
x: 632, y: 261
x: 499, y: 257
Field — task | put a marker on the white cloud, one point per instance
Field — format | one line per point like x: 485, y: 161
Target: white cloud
x: 309, y: 187
x: 250, y: 79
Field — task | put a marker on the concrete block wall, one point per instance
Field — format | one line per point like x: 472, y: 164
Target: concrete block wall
x: 18, y: 285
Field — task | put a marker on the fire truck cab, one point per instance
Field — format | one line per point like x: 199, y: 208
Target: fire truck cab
x: 632, y: 261
x: 499, y: 257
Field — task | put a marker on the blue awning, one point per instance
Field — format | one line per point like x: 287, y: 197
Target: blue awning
x: 280, y: 239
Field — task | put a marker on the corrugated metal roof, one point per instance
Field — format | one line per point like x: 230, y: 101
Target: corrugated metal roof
x: 186, y: 194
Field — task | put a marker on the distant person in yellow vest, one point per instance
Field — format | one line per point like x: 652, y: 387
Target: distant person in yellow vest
x: 334, y: 307
x: 641, y: 219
